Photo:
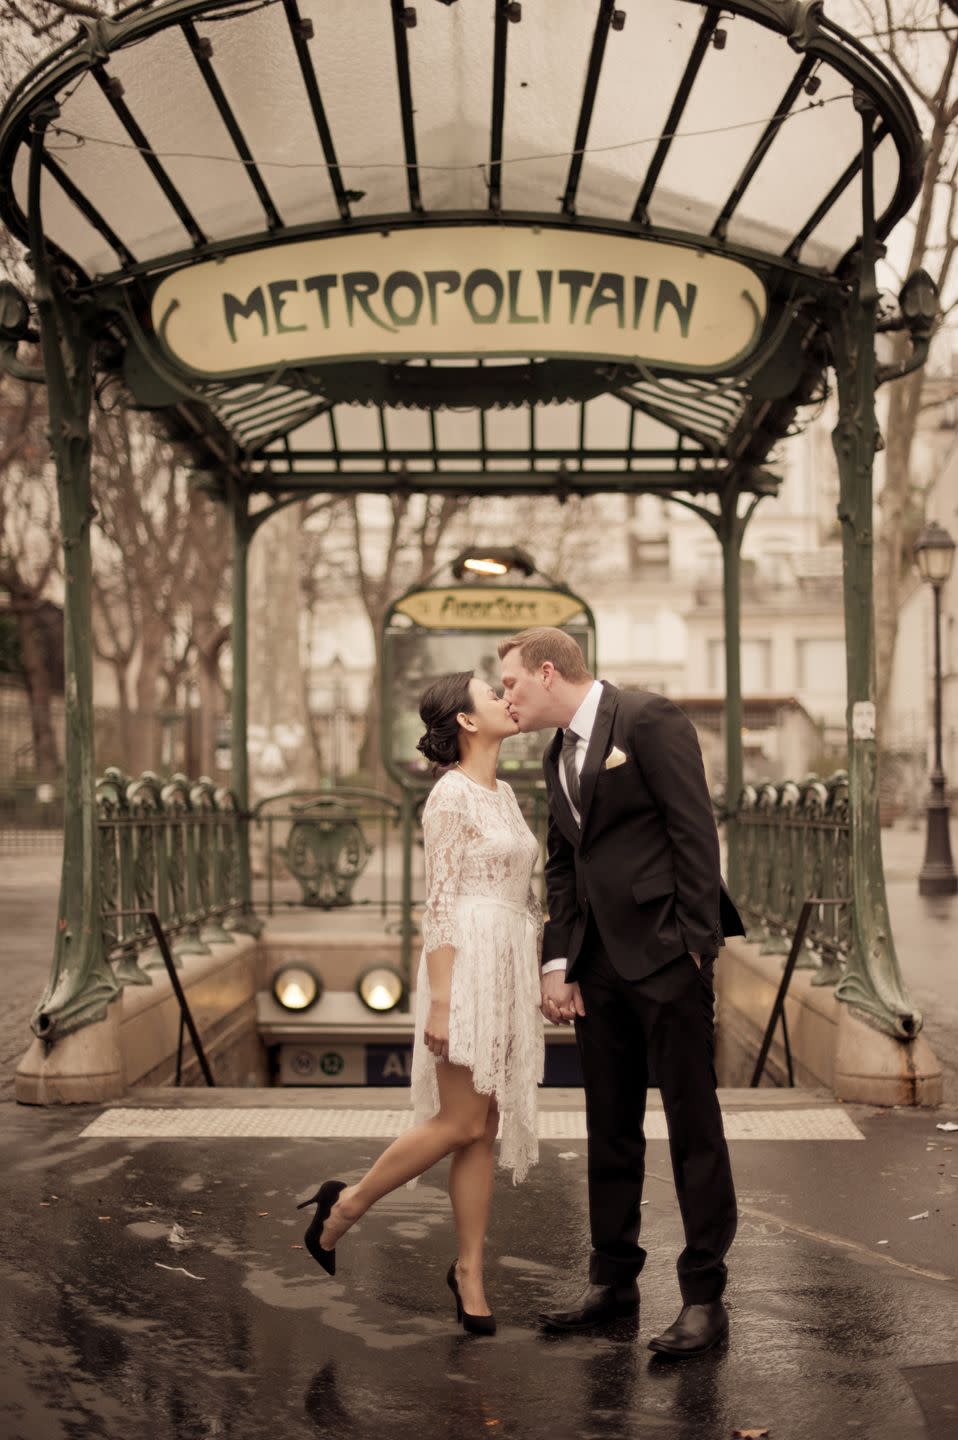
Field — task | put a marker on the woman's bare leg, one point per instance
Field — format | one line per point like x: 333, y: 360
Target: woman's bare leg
x: 461, y: 1121
x: 470, y: 1190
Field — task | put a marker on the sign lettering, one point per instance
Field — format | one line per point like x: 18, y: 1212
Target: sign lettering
x: 481, y: 608
x: 460, y: 291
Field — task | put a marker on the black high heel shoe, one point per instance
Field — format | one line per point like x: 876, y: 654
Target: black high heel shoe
x: 475, y: 1324
x: 324, y: 1200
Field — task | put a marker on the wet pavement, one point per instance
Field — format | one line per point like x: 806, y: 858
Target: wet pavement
x: 109, y: 1330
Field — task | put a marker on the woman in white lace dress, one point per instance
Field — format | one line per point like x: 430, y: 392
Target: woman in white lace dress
x: 479, y: 1050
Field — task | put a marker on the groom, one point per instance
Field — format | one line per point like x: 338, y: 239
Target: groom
x: 637, y: 914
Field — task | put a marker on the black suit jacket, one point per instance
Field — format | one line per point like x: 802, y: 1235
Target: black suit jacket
x: 645, y: 863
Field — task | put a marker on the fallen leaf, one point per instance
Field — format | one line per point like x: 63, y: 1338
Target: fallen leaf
x: 178, y: 1269
x: 196, y: 1212
x: 922, y: 1215
x: 178, y: 1237
x: 104, y: 1217
x: 44, y: 1204
x: 946, y: 1125
x: 296, y: 1247
x: 750, y: 1434
x: 881, y: 1242
x: 262, y: 1212
x: 568, y: 1154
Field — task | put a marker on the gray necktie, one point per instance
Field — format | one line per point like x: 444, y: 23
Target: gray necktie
x: 569, y: 741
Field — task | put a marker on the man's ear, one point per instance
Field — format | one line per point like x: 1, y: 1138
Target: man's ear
x: 547, y: 672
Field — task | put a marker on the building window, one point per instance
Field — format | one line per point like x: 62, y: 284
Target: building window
x: 821, y: 666
x: 756, y: 666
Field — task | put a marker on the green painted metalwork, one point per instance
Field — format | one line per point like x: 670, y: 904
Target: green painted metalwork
x: 166, y: 859
x: 320, y: 836
x: 730, y: 529
x: 207, y: 836
x: 326, y: 851
x: 871, y: 981
x: 170, y: 849
x: 246, y: 921
x: 795, y: 845
x: 181, y: 856
x: 151, y: 888
x: 81, y: 983
x: 116, y: 877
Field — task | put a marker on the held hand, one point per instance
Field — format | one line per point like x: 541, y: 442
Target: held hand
x: 561, y: 1003
x: 437, y: 1029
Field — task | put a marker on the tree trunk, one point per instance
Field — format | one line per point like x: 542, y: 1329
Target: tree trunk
x: 36, y: 673
x: 212, y: 703
x: 121, y: 667
x: 276, y: 694
x: 146, y: 735
x: 370, y: 754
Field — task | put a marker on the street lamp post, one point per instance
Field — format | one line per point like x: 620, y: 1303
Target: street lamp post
x: 934, y: 553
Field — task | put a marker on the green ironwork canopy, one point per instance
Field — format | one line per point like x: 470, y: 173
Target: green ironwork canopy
x: 484, y: 247
x: 206, y: 130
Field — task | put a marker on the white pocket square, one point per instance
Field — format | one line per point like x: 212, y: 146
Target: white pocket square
x: 614, y: 757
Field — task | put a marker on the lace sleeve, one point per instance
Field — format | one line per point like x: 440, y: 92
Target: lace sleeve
x: 444, y: 828
x: 533, y: 907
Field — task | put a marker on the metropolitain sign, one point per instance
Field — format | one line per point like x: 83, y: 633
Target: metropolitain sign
x: 459, y: 291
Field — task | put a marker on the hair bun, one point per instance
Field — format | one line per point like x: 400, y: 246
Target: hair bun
x: 438, y: 748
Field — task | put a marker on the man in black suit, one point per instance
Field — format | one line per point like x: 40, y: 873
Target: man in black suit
x: 637, y: 913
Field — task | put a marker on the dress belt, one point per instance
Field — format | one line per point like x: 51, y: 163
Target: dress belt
x: 492, y: 900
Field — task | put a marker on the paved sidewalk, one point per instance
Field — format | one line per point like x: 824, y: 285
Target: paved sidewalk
x: 111, y: 1332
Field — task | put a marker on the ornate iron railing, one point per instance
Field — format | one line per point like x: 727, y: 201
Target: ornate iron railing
x: 169, y: 847
x: 795, y: 843
x: 172, y: 847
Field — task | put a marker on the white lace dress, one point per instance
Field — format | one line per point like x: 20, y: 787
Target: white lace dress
x: 480, y: 855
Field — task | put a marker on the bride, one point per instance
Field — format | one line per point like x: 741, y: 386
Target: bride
x: 478, y: 1050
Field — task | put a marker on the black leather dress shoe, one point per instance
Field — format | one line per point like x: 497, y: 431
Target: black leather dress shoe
x: 597, y: 1305
x: 697, y: 1329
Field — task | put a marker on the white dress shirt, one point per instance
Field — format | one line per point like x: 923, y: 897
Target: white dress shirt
x: 582, y: 722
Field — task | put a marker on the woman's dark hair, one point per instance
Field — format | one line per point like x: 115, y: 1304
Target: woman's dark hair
x: 439, y: 705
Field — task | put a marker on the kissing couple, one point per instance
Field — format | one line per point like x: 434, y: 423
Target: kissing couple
x: 637, y: 913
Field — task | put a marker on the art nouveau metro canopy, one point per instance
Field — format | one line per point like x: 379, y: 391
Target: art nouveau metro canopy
x: 478, y: 245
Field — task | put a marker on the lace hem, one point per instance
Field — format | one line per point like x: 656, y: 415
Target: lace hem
x: 495, y: 1028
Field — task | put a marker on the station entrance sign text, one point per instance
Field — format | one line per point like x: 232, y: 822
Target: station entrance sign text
x: 460, y: 291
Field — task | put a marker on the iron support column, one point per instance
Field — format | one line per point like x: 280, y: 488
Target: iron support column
x: 81, y: 982
x: 937, y: 875
x: 730, y: 532
x: 871, y: 982
x: 246, y: 922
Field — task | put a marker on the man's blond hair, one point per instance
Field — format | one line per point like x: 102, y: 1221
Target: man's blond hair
x: 544, y: 643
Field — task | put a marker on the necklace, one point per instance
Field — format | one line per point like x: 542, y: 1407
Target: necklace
x: 490, y: 789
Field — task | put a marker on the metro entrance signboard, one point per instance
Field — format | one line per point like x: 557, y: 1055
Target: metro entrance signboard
x: 461, y: 291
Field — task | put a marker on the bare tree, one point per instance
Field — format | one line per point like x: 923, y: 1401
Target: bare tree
x: 413, y: 529
x: 146, y: 515
x: 922, y: 47
x: 29, y: 552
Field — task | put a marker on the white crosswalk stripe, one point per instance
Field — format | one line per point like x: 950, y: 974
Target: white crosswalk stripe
x: 301, y: 1123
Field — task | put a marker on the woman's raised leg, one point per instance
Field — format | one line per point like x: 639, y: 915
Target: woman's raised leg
x: 460, y: 1121
x: 470, y: 1190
